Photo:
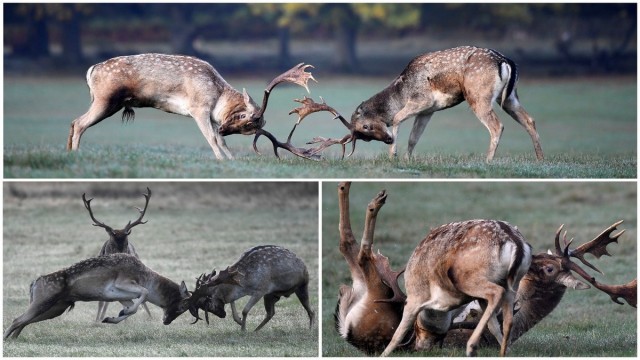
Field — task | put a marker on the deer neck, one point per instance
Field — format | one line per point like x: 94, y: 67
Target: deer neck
x: 162, y: 291
x: 535, y: 300
x: 229, y: 102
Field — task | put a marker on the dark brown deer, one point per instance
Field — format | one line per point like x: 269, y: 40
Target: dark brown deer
x: 118, y: 242
x: 368, y: 311
x: 265, y: 271
x: 182, y: 85
x: 437, y: 81
x: 116, y: 277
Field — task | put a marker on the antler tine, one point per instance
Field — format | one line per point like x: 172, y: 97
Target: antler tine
x: 87, y: 205
x: 139, y: 221
x: 295, y: 75
x: 598, y: 246
x: 303, y: 153
x: 390, y: 279
x: 628, y: 291
x: 559, y: 251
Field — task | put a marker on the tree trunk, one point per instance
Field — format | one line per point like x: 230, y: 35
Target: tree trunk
x: 346, y: 25
x: 284, y: 42
x: 71, y: 39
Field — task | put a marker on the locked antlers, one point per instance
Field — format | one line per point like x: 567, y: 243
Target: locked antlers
x: 204, y: 282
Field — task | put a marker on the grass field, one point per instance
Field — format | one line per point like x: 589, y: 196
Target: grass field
x: 192, y: 228
x: 587, y: 127
x: 585, y: 323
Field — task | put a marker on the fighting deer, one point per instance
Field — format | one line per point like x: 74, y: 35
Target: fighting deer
x: 368, y: 311
x: 117, y: 277
x: 437, y: 81
x: 118, y: 242
x: 460, y: 262
x: 182, y: 85
x: 545, y: 283
x: 265, y: 271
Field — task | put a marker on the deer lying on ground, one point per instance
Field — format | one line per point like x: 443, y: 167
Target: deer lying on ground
x: 182, y: 85
x: 116, y: 277
x: 265, y: 271
x: 118, y: 242
x: 437, y: 81
x: 368, y: 314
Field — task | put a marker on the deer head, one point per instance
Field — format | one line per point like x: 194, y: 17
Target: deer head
x: 120, y: 237
x: 200, y: 297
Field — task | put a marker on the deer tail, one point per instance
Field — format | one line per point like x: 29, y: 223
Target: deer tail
x: 509, y: 71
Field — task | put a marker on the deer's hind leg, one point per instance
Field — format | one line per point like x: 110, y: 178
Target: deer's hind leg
x: 481, y: 107
x: 99, y: 110
x: 270, y: 301
x: 37, y: 311
x: 131, y: 296
x: 302, y: 293
x: 513, y: 107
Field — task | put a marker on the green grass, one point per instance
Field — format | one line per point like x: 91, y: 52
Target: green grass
x: 585, y: 323
x: 587, y: 127
x: 192, y: 228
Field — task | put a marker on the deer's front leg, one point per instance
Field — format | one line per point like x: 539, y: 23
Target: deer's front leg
x: 410, y: 109
x: 123, y: 290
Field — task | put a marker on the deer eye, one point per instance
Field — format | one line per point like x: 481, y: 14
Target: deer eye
x: 365, y: 127
x: 243, y: 116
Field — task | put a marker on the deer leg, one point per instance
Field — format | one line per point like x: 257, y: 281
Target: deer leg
x: 270, y: 306
x: 348, y: 246
x: 302, y: 293
x: 37, y: 311
x: 234, y: 312
x: 513, y: 107
x: 223, y: 145
x: 409, y: 315
x: 252, y: 301
x: 102, y: 309
x: 98, y: 111
x: 419, y: 125
x: 203, y: 119
x: 507, y: 320
x: 146, y: 308
x: 409, y: 110
x: 127, y: 291
x: 490, y: 120
x: 494, y: 296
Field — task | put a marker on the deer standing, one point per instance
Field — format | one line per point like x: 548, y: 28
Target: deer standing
x: 117, y: 277
x: 118, y: 242
x: 182, y: 85
x: 437, y: 81
x: 265, y: 271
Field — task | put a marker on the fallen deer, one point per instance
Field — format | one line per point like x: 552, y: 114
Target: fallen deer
x: 118, y: 242
x: 437, y: 81
x: 369, y: 324
x: 265, y: 271
x: 182, y: 85
x: 368, y: 311
x: 116, y: 277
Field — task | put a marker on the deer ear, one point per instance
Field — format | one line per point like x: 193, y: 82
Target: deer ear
x: 183, y: 290
x: 246, y: 97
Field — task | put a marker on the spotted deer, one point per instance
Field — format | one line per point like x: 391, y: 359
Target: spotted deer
x: 368, y: 313
x: 116, y: 277
x: 436, y: 81
x: 265, y: 271
x: 118, y: 242
x: 181, y: 85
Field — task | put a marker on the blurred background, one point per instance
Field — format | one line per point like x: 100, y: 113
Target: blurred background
x: 547, y: 39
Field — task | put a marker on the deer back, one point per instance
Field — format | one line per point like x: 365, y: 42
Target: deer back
x: 460, y: 251
x: 265, y: 269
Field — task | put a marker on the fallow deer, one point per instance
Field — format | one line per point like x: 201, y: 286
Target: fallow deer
x: 545, y: 283
x: 117, y: 277
x: 118, y: 242
x: 265, y: 271
x: 369, y: 326
x: 182, y: 85
x: 369, y: 311
x: 437, y: 81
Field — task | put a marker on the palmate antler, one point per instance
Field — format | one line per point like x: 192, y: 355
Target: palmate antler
x: 295, y: 75
x: 597, y: 247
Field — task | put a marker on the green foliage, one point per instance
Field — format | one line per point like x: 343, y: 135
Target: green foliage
x: 585, y: 323
x: 192, y: 228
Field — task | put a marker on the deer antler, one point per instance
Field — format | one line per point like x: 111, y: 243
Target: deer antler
x: 308, y: 107
x: 204, y: 282
x: 598, y: 247
x: 139, y: 221
x: 87, y: 205
x: 295, y: 75
x: 389, y: 278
